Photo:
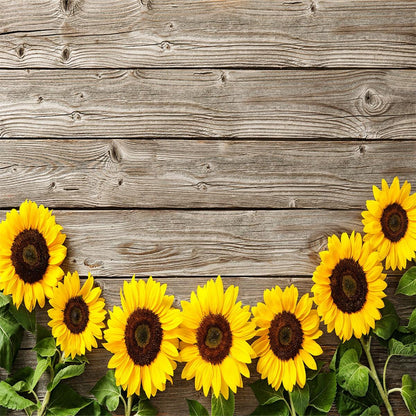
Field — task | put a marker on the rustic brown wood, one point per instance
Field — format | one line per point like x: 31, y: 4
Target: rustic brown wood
x: 208, y: 33
x: 367, y: 104
x: 251, y: 290
x: 199, y: 174
x: 191, y: 243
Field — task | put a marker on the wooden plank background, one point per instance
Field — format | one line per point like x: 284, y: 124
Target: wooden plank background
x: 223, y: 137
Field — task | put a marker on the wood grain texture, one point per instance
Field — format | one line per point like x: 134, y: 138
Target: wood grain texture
x: 363, y: 104
x: 200, y: 174
x: 205, y: 243
x: 172, y: 401
x: 207, y: 33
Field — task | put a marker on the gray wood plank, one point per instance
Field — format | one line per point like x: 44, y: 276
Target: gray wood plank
x: 207, y: 33
x: 251, y: 290
x: 200, y: 174
x: 367, y: 104
x: 205, y: 243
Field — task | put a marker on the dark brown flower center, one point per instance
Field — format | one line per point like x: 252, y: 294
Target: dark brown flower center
x: 143, y: 336
x: 214, y: 338
x: 349, y: 286
x: 76, y: 315
x: 285, y: 336
x: 394, y: 222
x: 30, y: 255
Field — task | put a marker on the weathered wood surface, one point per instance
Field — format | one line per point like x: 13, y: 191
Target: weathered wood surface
x: 172, y: 401
x: 207, y: 33
x: 364, y: 104
x: 200, y: 243
x: 200, y: 174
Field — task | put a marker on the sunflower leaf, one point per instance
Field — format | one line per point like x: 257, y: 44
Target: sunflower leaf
x: 66, y: 372
x: 407, y: 283
x: 300, y: 399
x: 342, y: 348
x: 4, y: 299
x: 107, y: 392
x: 389, y: 321
x: 41, y: 367
x: 24, y: 317
x: 10, y: 399
x: 20, y: 379
x: 94, y: 409
x: 278, y: 408
x: 196, y: 408
x: 352, y: 375
x: 412, y: 322
x: 372, y: 411
x: 322, y: 390
x: 11, y: 334
x: 397, y: 347
x: 222, y: 407
x: 311, y: 374
x: 145, y: 408
x: 46, y: 347
x: 409, y: 393
x: 66, y: 402
x: 266, y: 394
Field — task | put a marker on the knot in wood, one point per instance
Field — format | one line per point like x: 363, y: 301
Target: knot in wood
x: 373, y: 103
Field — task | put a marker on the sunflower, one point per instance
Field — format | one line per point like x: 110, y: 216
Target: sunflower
x: 287, y: 332
x: 77, y: 315
x: 31, y: 251
x: 143, y: 336
x: 390, y: 223
x: 349, y: 286
x: 214, y: 332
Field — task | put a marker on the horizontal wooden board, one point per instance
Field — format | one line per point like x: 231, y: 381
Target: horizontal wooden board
x: 200, y: 174
x: 364, y: 104
x: 251, y: 291
x: 207, y: 33
x: 200, y: 243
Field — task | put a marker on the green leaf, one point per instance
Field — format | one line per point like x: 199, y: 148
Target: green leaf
x: 94, y: 409
x: 107, y: 392
x: 67, y: 372
x: 20, y: 379
x: 24, y: 317
x: 4, y: 299
x: 352, y: 375
x: 145, y: 408
x: 41, y: 367
x: 352, y: 343
x: 372, y: 411
x: 310, y: 411
x: 42, y: 332
x: 322, y: 390
x: 407, y: 283
x: 300, y: 399
x: 278, y: 408
x: 46, y: 347
x: 389, y: 321
x: 398, y: 348
x: 409, y: 393
x: 11, y: 334
x: 11, y: 400
x: 222, y: 407
x: 65, y: 401
x: 412, y: 322
x: 196, y: 408
x: 266, y: 394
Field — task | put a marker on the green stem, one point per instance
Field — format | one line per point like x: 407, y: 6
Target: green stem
x: 128, y: 406
x: 292, y: 407
x: 45, y: 403
x: 373, y: 373
x: 385, y: 372
x: 398, y: 389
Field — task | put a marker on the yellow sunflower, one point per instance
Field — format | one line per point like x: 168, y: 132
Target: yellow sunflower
x: 31, y: 251
x: 215, y: 331
x: 349, y: 285
x: 143, y: 336
x: 390, y: 223
x: 77, y: 315
x: 287, y: 332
